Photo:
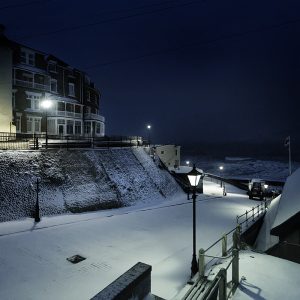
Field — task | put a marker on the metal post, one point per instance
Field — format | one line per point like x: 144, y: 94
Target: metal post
x: 224, y: 245
x: 201, y: 262
x: 46, y: 128
x: 235, y: 267
x: 252, y: 213
x: 222, y: 284
x: 37, y: 207
x: 246, y: 219
x: 194, y: 267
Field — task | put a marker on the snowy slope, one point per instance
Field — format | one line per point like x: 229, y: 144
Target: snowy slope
x: 289, y: 202
x: 79, y: 180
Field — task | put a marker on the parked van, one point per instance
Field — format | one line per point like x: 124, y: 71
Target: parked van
x: 257, y: 188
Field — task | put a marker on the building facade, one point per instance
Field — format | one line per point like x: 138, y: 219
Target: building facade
x: 36, y: 77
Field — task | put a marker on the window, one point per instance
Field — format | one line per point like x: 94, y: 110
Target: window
x: 77, y: 109
x: 33, y: 101
x: 77, y: 127
x: 61, y: 106
x: 27, y: 57
x: 98, y: 128
x: 29, y: 124
x: 52, y: 67
x: 53, y: 85
x: 18, y: 123
x: 87, y: 127
x: 162, y: 152
x: 71, y: 89
x: 88, y: 96
x: 33, y: 124
x: 70, y: 124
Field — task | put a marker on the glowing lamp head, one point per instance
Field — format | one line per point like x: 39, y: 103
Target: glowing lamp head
x: 46, y: 104
x: 221, y: 168
x: 187, y: 162
x: 266, y: 186
x: 194, y: 177
x: 149, y: 127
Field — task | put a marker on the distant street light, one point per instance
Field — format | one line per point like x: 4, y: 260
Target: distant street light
x: 187, y: 162
x: 221, y: 168
x: 194, y: 177
x: 46, y: 104
x: 149, y: 129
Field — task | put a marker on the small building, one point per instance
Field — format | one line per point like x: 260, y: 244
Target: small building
x: 28, y: 77
x: 169, y: 155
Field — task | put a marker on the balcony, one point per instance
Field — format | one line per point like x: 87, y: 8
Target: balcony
x: 31, y: 84
x: 60, y: 113
x: 89, y: 116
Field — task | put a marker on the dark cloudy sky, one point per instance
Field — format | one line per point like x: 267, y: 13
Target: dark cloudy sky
x: 198, y: 71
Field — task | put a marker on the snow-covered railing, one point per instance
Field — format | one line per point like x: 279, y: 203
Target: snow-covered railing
x: 202, y: 289
x: 252, y: 215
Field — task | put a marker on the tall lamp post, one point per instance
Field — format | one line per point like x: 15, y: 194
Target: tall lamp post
x: 221, y: 168
x: 149, y: 128
x: 194, y: 177
x: 46, y: 104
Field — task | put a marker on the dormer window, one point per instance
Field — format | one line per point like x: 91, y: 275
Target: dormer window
x: 27, y: 57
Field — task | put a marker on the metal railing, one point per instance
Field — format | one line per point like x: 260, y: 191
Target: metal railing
x: 202, y: 288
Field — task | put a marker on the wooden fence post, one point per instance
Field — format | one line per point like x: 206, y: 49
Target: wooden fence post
x: 224, y: 245
x: 201, y: 263
x: 223, y: 284
x: 235, y: 267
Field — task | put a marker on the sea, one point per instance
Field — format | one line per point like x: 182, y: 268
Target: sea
x: 268, y: 168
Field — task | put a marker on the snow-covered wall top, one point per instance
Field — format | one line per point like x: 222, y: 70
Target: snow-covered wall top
x: 79, y: 180
x: 289, y: 203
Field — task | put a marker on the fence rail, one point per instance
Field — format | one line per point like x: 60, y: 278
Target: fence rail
x: 202, y: 289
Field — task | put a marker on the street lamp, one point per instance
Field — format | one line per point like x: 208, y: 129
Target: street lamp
x: 149, y: 128
x: 37, y: 206
x: 187, y: 162
x: 46, y: 104
x: 194, y: 177
x: 221, y: 169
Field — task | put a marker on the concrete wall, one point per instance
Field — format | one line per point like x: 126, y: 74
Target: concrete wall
x: 6, y: 112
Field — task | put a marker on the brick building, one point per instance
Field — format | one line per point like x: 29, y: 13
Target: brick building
x: 30, y: 78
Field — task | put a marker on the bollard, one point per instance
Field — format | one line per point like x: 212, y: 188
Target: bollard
x: 235, y: 267
x: 201, y: 263
x: 224, y: 245
x: 252, y: 213
x: 246, y: 219
x: 223, y: 284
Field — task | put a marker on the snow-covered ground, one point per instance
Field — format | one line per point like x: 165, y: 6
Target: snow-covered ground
x: 33, y: 256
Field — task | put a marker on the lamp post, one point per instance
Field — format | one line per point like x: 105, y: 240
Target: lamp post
x: 37, y: 206
x: 149, y: 128
x: 194, y: 177
x: 46, y: 104
x: 221, y: 168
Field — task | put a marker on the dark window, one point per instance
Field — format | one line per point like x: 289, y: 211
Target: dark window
x: 61, y: 106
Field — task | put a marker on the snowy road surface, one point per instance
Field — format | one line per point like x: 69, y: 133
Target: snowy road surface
x: 33, y: 261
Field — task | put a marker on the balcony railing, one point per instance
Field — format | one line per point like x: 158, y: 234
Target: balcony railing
x: 65, y: 114
x: 31, y: 84
x: 89, y: 116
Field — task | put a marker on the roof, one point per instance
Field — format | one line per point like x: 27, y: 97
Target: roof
x: 288, y: 212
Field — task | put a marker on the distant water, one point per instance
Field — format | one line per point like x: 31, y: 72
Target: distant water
x: 243, y: 167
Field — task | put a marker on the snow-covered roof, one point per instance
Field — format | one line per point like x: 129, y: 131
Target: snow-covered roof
x: 289, y: 204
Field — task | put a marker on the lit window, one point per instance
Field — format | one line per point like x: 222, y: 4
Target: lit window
x: 71, y: 89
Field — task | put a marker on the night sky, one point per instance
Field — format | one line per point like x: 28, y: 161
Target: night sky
x: 200, y: 72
